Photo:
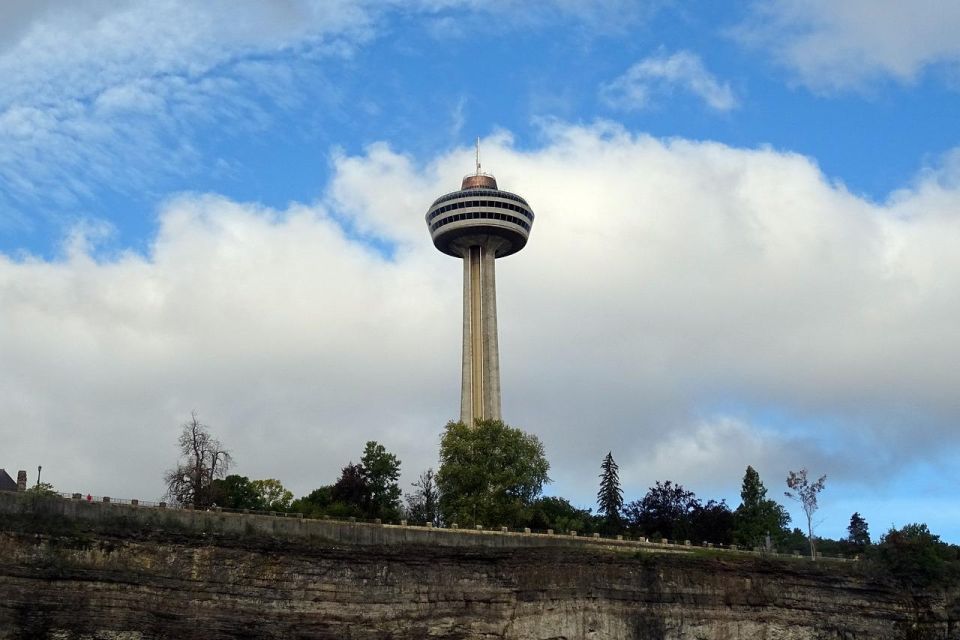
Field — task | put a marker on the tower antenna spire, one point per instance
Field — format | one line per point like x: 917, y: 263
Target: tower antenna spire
x: 478, y: 155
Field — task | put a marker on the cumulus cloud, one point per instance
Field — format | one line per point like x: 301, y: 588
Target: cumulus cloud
x: 662, y: 74
x: 691, y: 306
x: 842, y: 45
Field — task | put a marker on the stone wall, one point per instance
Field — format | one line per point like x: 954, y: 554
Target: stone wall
x: 296, y: 528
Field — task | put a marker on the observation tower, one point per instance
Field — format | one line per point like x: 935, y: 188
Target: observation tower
x: 479, y: 223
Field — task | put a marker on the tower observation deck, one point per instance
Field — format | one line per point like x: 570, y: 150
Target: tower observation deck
x: 479, y: 223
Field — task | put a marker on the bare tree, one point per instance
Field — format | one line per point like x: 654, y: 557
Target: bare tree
x: 805, y: 492
x: 202, y: 460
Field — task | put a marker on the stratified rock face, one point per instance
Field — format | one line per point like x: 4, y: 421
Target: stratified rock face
x: 88, y: 586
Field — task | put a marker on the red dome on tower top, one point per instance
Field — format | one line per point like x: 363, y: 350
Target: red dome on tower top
x: 479, y: 181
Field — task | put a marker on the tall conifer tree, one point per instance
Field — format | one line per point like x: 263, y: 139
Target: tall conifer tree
x: 610, y: 496
x: 757, y: 516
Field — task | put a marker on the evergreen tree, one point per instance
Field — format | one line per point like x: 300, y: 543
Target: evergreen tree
x: 752, y: 491
x: 758, y: 516
x: 859, y: 532
x: 610, y: 496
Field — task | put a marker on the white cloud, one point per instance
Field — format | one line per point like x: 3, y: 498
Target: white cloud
x: 842, y: 45
x: 115, y: 95
x: 674, y: 295
x: 111, y: 94
x: 663, y: 74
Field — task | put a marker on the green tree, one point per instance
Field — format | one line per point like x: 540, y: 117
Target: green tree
x: 666, y: 511
x: 554, y: 512
x: 858, y: 533
x: 712, y: 522
x: 610, y: 496
x: 916, y: 557
x: 239, y: 492
x: 321, y: 502
x: 271, y: 495
x: 235, y: 492
x: 316, y: 503
x: 382, y: 471
x: 423, y: 504
x: 757, y: 516
x: 489, y: 473
x: 805, y: 492
x: 353, y: 489
x: 41, y: 489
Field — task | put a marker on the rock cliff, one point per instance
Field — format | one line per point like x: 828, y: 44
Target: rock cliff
x: 72, y: 581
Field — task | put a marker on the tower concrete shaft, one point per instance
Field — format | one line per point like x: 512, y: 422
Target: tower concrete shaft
x: 479, y: 223
x: 480, y: 387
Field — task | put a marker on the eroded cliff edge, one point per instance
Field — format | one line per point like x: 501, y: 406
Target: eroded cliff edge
x: 70, y: 579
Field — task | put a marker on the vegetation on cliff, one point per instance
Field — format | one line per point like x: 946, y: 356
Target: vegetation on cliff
x: 493, y: 474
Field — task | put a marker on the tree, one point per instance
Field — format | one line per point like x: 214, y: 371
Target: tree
x: 916, y: 557
x: 489, y: 473
x: 712, y: 522
x: 858, y: 533
x: 554, y: 512
x: 203, y: 460
x: 757, y: 517
x: 665, y: 511
x: 423, y: 504
x: 320, y: 502
x: 805, y: 492
x: 382, y: 470
x: 41, y: 489
x: 353, y: 489
x: 235, y: 492
x: 271, y: 495
x: 239, y: 492
x: 610, y: 496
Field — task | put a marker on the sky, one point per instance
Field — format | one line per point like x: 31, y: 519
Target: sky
x: 745, y: 249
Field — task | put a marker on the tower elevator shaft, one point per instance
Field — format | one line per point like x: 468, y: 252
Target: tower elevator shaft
x: 480, y: 390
